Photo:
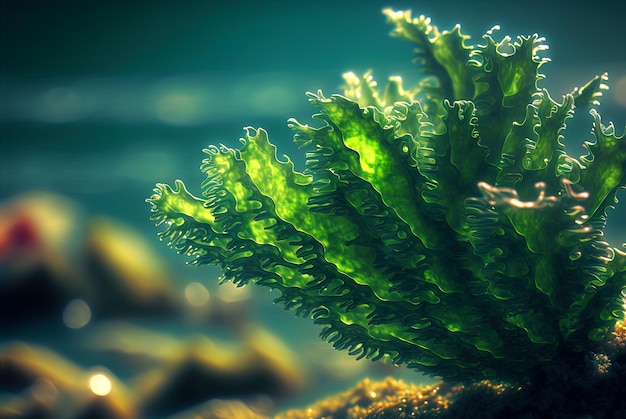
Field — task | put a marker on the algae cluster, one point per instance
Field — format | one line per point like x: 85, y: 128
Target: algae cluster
x: 443, y: 226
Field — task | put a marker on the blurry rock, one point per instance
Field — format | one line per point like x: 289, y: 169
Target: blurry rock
x: 226, y: 409
x: 133, y: 347
x: 109, y: 399
x: 38, y: 401
x: 46, y: 278
x: 37, y: 278
x: 128, y: 274
x: 23, y: 365
x: 35, y: 221
x: 207, y: 370
x: 103, y: 408
x: 36, y: 294
x: 43, y: 384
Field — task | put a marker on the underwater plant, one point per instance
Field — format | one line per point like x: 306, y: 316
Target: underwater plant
x: 443, y: 226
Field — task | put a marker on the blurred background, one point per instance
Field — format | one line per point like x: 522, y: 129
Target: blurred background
x: 101, y: 100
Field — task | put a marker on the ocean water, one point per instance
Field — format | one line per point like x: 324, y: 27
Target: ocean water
x: 100, y: 102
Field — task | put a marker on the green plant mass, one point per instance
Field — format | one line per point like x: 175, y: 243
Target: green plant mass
x: 443, y: 226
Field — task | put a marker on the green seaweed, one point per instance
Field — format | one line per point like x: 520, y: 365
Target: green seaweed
x: 444, y: 227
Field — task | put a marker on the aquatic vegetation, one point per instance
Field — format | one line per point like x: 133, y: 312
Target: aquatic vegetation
x: 443, y: 226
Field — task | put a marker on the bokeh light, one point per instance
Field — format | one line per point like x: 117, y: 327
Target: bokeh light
x: 76, y: 314
x: 197, y: 294
x: 100, y: 384
x: 231, y: 293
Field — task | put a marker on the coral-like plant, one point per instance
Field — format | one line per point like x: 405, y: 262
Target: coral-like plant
x: 444, y: 227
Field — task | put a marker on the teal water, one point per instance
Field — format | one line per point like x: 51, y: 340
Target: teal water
x: 99, y: 103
